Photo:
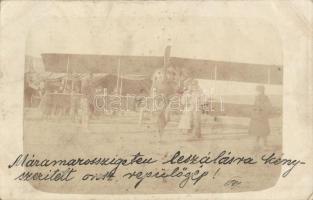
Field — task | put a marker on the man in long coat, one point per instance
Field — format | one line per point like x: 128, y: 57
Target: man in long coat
x: 259, y: 123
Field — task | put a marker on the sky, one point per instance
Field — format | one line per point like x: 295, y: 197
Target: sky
x: 235, y: 39
x: 224, y: 39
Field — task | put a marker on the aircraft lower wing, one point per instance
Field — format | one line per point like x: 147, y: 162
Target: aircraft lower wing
x: 234, y: 110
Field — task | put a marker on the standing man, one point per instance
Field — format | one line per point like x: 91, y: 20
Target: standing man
x: 29, y: 89
x: 259, y: 123
x: 190, y: 121
x: 87, y: 106
x: 88, y: 91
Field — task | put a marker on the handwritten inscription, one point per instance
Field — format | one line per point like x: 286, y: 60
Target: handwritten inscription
x: 195, y: 176
x: 183, y: 168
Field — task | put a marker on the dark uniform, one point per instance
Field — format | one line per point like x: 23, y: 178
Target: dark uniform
x: 88, y: 92
x: 259, y: 123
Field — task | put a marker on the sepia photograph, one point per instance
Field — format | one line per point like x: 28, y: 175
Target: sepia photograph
x: 178, y: 86
x: 156, y: 100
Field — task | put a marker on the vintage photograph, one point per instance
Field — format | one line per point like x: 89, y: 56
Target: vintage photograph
x: 116, y: 87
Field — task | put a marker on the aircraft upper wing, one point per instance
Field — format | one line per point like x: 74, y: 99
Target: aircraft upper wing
x: 78, y: 63
x: 231, y: 71
x: 146, y: 65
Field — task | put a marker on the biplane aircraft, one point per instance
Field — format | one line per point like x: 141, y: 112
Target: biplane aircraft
x: 233, y: 83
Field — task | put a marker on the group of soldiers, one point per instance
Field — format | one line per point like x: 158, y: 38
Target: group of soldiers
x: 79, y: 103
x: 170, y: 81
